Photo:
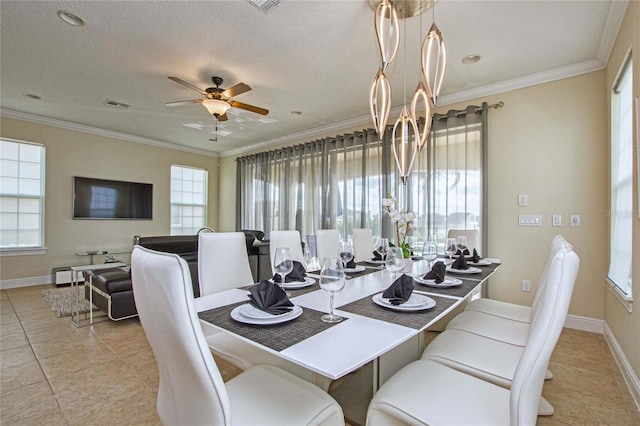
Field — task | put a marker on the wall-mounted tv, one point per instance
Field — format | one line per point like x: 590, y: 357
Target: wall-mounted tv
x: 111, y: 199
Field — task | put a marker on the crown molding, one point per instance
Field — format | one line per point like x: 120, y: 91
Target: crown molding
x: 617, y: 10
x: 32, y: 118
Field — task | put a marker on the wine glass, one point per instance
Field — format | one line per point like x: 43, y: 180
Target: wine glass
x: 450, y: 248
x: 462, y: 243
x: 332, y: 281
x: 346, y: 252
x: 282, y: 264
x: 395, y: 260
x: 382, y: 247
x: 430, y: 250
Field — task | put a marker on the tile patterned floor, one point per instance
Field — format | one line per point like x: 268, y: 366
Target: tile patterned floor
x: 52, y: 373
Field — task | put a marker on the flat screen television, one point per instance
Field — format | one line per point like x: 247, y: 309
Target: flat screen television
x: 111, y: 199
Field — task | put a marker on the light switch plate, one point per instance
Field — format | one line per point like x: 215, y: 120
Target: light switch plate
x: 575, y: 220
x: 530, y: 220
x: 557, y: 220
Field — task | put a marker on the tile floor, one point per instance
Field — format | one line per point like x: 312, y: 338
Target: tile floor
x: 53, y: 373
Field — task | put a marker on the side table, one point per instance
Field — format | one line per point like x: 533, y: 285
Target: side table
x: 75, y: 270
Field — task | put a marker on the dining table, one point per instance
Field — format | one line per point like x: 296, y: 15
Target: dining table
x: 389, y: 337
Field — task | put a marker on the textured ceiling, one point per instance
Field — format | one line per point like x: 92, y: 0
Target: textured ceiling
x: 316, y: 57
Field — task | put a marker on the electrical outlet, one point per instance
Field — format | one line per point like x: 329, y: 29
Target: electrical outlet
x: 575, y: 220
x: 523, y: 200
x: 557, y: 220
x: 526, y: 285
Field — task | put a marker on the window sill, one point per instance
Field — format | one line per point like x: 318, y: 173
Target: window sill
x: 624, y: 300
x: 23, y: 251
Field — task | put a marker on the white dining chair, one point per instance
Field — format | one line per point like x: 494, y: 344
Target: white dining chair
x: 327, y: 243
x: 473, y: 238
x: 500, y: 327
x: 191, y: 389
x: 289, y: 239
x: 426, y: 392
x: 493, y: 360
x: 223, y: 262
x: 514, y: 311
x: 362, y: 244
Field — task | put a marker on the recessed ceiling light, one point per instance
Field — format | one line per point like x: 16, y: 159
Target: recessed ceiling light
x: 31, y: 96
x: 471, y: 59
x: 70, y: 18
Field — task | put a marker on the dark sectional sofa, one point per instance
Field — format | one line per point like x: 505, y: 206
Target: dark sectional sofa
x: 112, y: 290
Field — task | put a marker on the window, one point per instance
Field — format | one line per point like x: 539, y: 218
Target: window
x: 621, y: 209
x: 21, y: 195
x: 188, y: 200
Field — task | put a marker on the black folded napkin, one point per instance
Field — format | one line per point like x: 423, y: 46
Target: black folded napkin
x: 400, y: 291
x: 376, y: 256
x: 269, y: 297
x: 476, y: 258
x: 460, y: 263
x: 462, y: 251
x: 351, y: 264
x: 296, y: 275
x: 436, y: 273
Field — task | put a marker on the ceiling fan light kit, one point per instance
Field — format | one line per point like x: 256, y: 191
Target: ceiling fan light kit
x: 216, y: 107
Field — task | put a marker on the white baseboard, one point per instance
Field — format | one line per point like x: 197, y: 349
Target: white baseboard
x: 26, y: 282
x: 584, y: 324
x: 633, y: 383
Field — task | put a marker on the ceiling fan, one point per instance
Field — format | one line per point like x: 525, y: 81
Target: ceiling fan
x: 218, y: 100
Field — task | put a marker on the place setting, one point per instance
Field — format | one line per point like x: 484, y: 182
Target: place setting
x: 290, y: 274
x: 268, y: 304
x: 436, y: 277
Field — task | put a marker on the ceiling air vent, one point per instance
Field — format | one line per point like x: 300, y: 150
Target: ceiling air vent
x: 116, y: 104
x: 264, y: 5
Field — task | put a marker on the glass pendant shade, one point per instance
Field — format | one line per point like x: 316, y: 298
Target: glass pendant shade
x: 216, y: 106
x: 380, y: 102
x: 421, y: 96
x: 387, y: 34
x: 434, y: 62
x: 405, y: 143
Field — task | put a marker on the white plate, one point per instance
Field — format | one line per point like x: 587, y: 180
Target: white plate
x: 298, y: 284
x: 417, y: 302
x: 448, y: 282
x: 471, y: 270
x: 269, y: 319
x: 375, y: 262
x: 481, y: 262
x: 358, y: 268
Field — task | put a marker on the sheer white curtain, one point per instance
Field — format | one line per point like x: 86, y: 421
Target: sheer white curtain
x: 340, y: 182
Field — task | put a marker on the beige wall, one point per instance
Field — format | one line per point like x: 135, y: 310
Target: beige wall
x: 70, y: 153
x: 550, y: 142
x: 624, y: 324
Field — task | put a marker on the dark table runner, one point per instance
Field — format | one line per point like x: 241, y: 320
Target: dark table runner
x: 418, y: 319
x: 276, y: 336
x: 459, y: 291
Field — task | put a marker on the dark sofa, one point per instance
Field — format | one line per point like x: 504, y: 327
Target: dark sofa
x: 112, y: 290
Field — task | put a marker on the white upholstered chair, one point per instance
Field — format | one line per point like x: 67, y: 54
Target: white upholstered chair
x: 223, y: 262
x: 191, y: 389
x: 496, y: 361
x: 327, y: 243
x: 289, y: 239
x: 426, y: 392
x: 362, y: 244
x: 502, y: 321
x: 473, y: 238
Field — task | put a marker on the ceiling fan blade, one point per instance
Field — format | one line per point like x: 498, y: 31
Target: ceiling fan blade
x: 192, y: 101
x: 236, y: 90
x: 223, y: 117
x: 188, y: 85
x: 248, y: 107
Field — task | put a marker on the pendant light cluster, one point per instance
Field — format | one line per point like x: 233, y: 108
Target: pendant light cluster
x: 433, y: 64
